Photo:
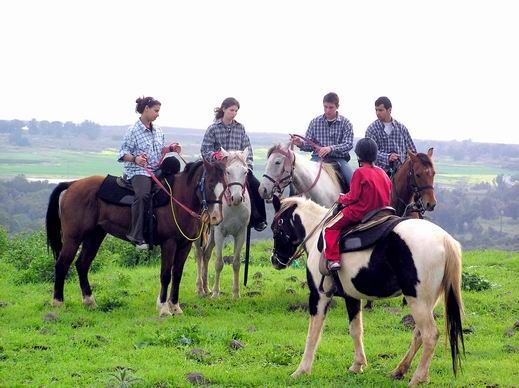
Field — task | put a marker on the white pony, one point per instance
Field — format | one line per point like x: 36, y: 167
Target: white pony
x: 417, y: 259
x: 284, y: 168
x: 236, y: 215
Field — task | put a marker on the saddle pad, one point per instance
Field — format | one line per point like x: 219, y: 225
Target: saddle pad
x: 356, y: 240
x: 111, y: 192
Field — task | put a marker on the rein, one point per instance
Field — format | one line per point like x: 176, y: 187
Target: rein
x: 227, y: 192
x: 416, y: 206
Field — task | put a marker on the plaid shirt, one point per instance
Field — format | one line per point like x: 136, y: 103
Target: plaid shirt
x: 141, y: 140
x: 398, y: 141
x: 229, y: 137
x: 338, y: 136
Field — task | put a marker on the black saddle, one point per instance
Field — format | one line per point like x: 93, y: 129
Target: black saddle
x: 374, y: 226
x: 118, y: 191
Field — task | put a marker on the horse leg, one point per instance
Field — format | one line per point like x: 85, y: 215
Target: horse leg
x: 65, y: 258
x: 353, y: 306
x: 178, y: 267
x: 318, y: 306
x: 218, y: 264
x: 424, y: 320
x: 199, y: 255
x: 89, y: 249
x: 207, y: 258
x: 239, y: 239
x: 404, y: 365
x: 167, y: 251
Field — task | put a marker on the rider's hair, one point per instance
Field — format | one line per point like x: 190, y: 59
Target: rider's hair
x: 228, y: 102
x: 331, y: 98
x: 383, y: 101
x: 143, y: 102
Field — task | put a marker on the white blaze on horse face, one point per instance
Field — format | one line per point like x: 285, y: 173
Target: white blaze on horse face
x: 236, y: 173
x: 215, y: 211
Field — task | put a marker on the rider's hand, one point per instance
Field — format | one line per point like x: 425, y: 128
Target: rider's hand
x: 175, y: 147
x: 218, y: 155
x: 296, y: 140
x: 141, y: 160
x: 323, y: 151
x: 393, y: 157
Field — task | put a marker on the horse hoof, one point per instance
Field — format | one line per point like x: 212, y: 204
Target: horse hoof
x: 57, y: 303
x: 175, y: 309
x: 297, y: 373
x: 215, y: 294
x: 164, y: 311
x: 89, y: 302
x: 236, y: 295
x: 397, y: 375
x: 356, y: 368
x: 418, y: 380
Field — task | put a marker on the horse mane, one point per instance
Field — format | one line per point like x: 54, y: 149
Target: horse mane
x: 332, y: 173
x: 303, y: 203
x: 191, y: 168
x: 425, y: 159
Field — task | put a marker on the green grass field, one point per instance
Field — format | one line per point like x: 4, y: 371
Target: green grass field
x: 53, y: 164
x: 124, y: 339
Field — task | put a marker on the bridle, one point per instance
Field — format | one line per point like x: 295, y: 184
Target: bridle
x: 243, y: 185
x: 301, y: 247
x: 417, y: 204
x: 286, y: 176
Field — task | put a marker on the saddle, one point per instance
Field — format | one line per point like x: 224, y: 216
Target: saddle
x: 375, y: 226
x: 119, y: 191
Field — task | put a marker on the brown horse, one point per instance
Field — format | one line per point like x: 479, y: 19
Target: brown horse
x: 81, y: 218
x: 413, y: 191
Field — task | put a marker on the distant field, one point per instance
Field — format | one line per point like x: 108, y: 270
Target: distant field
x: 53, y: 163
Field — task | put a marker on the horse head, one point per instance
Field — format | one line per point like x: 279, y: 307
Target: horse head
x: 278, y: 171
x: 211, y: 189
x: 236, y: 170
x: 288, y: 232
x: 419, y: 182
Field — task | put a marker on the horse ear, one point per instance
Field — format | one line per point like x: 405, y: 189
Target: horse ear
x: 225, y: 154
x: 430, y: 152
x: 276, y: 202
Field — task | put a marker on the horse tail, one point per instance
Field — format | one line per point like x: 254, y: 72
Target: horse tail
x: 453, y: 303
x: 52, y: 220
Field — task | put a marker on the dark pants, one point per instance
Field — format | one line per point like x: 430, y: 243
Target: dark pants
x: 142, y: 186
x: 258, y: 213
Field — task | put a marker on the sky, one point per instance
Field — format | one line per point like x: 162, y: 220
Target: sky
x: 449, y: 67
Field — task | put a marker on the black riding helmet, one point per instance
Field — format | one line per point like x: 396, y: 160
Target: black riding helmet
x: 366, y: 150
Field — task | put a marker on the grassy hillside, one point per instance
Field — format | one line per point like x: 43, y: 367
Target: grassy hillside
x: 124, y: 340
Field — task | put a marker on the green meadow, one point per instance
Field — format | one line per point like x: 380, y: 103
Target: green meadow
x: 256, y: 340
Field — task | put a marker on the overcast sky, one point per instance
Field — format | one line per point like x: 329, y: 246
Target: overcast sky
x: 449, y: 67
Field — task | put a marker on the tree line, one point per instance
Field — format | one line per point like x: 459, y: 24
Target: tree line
x: 20, y: 132
x: 485, y: 215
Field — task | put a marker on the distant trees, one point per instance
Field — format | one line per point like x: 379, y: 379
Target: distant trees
x: 57, y: 129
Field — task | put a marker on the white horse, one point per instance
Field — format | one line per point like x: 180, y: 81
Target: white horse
x: 417, y: 259
x: 284, y: 168
x: 236, y: 215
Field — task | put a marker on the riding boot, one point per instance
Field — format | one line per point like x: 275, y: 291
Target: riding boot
x: 258, y: 212
x: 141, y: 186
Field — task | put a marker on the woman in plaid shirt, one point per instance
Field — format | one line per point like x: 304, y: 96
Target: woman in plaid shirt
x: 143, y: 146
x: 227, y: 133
x: 333, y: 134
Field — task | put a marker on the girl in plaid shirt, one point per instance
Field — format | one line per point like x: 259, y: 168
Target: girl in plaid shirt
x: 227, y: 133
x: 143, y: 146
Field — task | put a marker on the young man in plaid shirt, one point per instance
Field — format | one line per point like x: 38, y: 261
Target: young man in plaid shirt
x: 333, y: 134
x: 392, y: 138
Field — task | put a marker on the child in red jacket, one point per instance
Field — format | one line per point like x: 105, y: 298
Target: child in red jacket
x: 370, y: 189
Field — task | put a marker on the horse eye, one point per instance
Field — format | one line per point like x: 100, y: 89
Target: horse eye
x: 418, y: 175
x: 278, y: 162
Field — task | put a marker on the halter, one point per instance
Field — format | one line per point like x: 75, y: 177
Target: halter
x: 289, y: 166
x: 417, y: 205
x: 227, y: 192
x: 301, y: 248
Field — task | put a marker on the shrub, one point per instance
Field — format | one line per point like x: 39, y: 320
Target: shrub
x: 474, y: 282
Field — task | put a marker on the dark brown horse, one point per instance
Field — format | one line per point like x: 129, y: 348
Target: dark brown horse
x: 413, y: 191
x: 81, y: 218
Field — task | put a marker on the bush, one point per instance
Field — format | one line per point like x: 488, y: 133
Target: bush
x: 125, y: 254
x: 474, y: 282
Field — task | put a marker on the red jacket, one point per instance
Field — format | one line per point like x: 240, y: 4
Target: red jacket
x: 370, y: 189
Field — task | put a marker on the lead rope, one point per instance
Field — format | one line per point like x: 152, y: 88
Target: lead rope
x: 203, y: 218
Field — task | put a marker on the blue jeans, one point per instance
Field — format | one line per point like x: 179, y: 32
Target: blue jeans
x: 344, y: 167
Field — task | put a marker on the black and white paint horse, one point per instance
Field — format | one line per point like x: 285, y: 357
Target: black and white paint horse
x: 417, y: 259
